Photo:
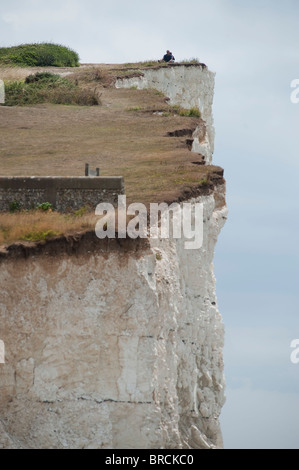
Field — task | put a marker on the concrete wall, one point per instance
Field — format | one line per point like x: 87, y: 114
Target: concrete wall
x: 64, y: 193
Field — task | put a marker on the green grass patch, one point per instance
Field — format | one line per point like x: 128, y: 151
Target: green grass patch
x: 44, y: 206
x: 134, y: 108
x: 193, y: 60
x: 42, y: 78
x: 192, y: 112
x: 40, y: 236
x: 14, y: 206
x: 80, y: 212
x: 149, y: 63
x: 39, y: 55
x: 145, y: 63
x: 37, y: 225
x: 204, y: 182
x: 48, y: 88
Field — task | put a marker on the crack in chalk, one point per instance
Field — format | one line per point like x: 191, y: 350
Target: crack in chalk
x: 110, y: 400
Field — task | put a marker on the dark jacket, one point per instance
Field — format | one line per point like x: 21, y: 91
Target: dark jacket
x: 168, y: 57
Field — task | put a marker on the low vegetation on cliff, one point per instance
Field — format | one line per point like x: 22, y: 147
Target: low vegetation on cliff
x: 134, y: 133
x: 46, y: 87
x: 39, y: 225
x: 39, y: 55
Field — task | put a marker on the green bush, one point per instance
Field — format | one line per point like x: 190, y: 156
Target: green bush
x: 42, y: 77
x: 34, y: 92
x: 44, y: 206
x: 39, y: 55
x: 48, y: 88
x: 14, y: 206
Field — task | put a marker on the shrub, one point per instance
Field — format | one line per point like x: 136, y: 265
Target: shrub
x: 46, y: 77
x: 48, y: 88
x: 44, y: 206
x: 14, y: 206
x: 39, y: 55
x: 86, y: 97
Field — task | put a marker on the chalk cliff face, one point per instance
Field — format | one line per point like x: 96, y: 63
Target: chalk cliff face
x: 116, y: 346
x: 188, y: 87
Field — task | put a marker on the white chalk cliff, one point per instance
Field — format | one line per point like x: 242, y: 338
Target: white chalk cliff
x: 188, y: 87
x: 118, y: 347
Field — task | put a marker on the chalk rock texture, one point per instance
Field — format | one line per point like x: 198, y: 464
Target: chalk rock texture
x: 113, y: 350
x: 188, y: 87
x: 121, y: 347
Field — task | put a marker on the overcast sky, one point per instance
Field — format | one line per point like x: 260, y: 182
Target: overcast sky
x: 253, y: 46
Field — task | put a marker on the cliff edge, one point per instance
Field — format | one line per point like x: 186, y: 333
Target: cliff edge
x: 118, y: 345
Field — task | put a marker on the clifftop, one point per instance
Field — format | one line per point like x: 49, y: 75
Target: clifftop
x: 134, y: 133
x: 143, y: 135
x: 116, y: 343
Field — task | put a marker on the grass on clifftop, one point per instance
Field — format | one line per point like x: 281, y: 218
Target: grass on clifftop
x: 39, y: 55
x: 46, y: 87
x: 39, y: 225
x: 132, y: 134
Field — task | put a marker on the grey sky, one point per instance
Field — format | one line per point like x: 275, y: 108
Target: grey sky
x: 253, y: 48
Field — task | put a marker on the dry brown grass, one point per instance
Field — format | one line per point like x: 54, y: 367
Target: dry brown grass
x: 12, y: 73
x: 38, y: 225
x: 94, y: 75
x: 57, y: 140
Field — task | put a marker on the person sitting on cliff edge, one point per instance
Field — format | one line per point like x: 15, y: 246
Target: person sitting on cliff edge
x: 168, y: 58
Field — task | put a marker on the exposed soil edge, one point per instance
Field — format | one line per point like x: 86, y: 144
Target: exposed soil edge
x: 83, y: 243
x: 86, y: 243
